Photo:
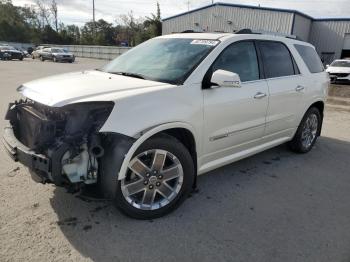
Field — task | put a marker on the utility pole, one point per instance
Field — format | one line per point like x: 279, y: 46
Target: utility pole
x: 93, y: 17
x: 93, y: 11
x: 188, y: 5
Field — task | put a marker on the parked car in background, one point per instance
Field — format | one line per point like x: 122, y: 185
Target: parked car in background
x: 9, y: 53
x: 339, y: 71
x: 24, y: 52
x: 30, y: 50
x: 37, y: 52
x: 57, y: 55
x: 144, y: 126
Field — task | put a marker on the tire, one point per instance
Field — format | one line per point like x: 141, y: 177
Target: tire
x: 54, y: 59
x: 21, y: 58
x: 307, y: 133
x: 181, y: 186
x: 42, y: 59
x: 33, y: 57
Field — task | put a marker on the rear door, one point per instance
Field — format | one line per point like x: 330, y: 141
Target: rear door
x: 286, y: 89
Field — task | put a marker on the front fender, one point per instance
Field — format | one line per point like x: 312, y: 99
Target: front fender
x: 146, y: 135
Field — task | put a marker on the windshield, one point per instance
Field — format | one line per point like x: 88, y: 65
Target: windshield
x: 56, y: 50
x: 165, y: 60
x: 341, y: 64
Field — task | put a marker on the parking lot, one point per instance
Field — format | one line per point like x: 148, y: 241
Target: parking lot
x: 275, y: 206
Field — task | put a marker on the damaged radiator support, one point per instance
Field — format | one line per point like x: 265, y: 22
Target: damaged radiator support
x: 68, y: 136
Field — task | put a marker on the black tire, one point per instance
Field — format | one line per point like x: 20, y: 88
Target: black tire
x: 33, y: 57
x: 176, y: 148
x: 296, y: 144
x: 21, y: 58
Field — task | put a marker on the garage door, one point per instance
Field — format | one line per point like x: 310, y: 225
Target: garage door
x: 347, y: 42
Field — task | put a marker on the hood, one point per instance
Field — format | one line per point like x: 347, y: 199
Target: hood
x: 340, y: 70
x: 11, y: 51
x: 85, y: 86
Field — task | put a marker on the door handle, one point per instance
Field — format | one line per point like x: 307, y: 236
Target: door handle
x: 299, y: 88
x: 260, y: 95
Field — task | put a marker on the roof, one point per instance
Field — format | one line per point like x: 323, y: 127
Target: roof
x: 207, y: 36
x: 226, y: 36
x: 292, y: 11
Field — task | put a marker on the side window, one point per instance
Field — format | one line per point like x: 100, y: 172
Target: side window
x: 277, y: 59
x: 310, y: 57
x: 239, y: 58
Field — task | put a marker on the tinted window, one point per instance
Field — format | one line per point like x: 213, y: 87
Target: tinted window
x: 277, y: 59
x: 310, y: 57
x: 239, y: 58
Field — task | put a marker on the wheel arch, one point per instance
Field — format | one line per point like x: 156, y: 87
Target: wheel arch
x: 320, y: 105
x: 183, y: 132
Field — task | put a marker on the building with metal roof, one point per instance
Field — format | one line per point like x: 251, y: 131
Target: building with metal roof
x: 330, y: 36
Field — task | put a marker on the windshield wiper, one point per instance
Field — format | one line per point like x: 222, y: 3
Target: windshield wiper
x: 128, y: 74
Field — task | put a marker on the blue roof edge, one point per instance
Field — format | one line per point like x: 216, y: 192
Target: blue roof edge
x: 258, y: 7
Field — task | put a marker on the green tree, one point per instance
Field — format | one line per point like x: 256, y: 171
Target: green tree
x: 153, y: 24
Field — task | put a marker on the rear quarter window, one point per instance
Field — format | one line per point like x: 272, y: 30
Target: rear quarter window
x: 311, y: 58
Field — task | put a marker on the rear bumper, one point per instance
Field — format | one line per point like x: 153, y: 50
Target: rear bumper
x: 20, y: 153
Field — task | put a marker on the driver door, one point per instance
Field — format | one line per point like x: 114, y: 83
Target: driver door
x: 235, y: 117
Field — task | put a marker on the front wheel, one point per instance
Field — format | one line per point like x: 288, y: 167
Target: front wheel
x: 308, y: 131
x: 160, y: 176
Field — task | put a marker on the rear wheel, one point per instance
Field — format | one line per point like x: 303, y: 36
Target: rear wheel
x: 308, y: 131
x: 159, y: 178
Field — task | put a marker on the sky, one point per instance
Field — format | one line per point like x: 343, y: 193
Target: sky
x: 80, y: 11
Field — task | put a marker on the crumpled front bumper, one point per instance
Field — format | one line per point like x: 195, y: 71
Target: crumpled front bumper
x: 43, y: 168
x: 20, y: 153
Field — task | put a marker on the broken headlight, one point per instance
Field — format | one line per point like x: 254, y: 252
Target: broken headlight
x: 86, y: 118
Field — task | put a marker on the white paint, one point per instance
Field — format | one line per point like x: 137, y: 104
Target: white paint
x: 241, y: 124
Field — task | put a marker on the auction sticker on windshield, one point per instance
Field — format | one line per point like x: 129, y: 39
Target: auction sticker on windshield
x: 204, y: 42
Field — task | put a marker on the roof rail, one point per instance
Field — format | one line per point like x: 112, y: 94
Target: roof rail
x: 260, y: 32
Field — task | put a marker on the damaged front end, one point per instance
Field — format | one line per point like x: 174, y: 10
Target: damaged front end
x: 60, y: 145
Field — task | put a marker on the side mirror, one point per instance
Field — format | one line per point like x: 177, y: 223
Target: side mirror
x: 223, y: 78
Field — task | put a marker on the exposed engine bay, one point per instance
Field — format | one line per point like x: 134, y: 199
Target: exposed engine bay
x: 64, y: 143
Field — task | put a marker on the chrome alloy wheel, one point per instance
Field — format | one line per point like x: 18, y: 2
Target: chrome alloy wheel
x: 154, y: 179
x: 309, y: 132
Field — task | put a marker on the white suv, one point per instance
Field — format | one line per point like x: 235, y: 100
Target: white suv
x: 145, y: 125
x: 339, y: 70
